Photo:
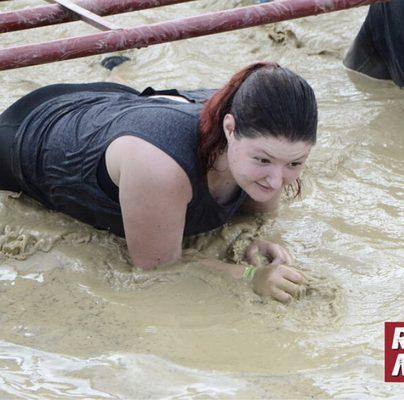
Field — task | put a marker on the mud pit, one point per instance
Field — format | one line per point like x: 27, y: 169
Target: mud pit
x: 77, y: 322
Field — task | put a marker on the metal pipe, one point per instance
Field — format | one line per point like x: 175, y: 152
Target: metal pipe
x: 56, y: 14
x: 144, y: 36
x: 86, y: 16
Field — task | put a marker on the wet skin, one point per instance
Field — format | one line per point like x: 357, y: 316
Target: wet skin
x: 261, y: 166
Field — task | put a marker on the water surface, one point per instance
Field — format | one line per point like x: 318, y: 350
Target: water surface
x: 77, y: 322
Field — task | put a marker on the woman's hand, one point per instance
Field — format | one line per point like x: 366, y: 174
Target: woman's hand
x: 275, y: 253
x: 275, y: 278
x: 279, y: 281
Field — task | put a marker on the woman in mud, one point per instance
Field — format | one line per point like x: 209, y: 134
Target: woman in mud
x: 157, y: 166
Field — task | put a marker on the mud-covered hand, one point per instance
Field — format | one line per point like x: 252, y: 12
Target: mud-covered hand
x: 279, y: 281
x: 274, y: 253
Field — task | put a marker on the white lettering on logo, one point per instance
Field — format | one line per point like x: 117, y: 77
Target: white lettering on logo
x: 399, y: 365
x: 398, y: 340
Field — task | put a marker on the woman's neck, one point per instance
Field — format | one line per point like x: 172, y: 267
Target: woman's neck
x: 221, y: 183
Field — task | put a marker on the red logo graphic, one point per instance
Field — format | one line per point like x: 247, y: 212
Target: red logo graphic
x: 394, y: 351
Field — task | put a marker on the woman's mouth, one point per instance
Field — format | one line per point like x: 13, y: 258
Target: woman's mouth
x: 264, y: 188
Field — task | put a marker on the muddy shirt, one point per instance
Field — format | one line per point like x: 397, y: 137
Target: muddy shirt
x: 59, y: 145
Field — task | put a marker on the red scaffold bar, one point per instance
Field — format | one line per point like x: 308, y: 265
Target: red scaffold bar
x: 144, y: 36
x: 85, y: 15
x: 56, y: 14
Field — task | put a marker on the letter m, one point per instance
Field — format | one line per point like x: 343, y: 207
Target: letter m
x: 399, y: 365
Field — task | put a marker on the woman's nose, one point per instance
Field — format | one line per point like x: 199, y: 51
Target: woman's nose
x: 275, y: 178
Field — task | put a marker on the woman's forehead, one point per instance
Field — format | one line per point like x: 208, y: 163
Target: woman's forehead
x: 278, y: 147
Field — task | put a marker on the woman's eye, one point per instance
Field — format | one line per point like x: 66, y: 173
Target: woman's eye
x: 263, y: 160
x: 295, y: 164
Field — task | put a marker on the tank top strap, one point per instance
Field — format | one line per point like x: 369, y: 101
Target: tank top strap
x: 193, y: 96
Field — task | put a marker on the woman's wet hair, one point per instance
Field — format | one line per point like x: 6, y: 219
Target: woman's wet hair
x: 265, y: 100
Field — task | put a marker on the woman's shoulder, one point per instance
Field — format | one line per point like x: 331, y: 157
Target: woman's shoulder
x: 136, y: 158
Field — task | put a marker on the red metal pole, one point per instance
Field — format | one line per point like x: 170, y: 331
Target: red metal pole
x: 144, y: 36
x: 56, y: 14
x: 85, y: 15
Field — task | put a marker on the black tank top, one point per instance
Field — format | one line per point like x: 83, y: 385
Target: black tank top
x: 104, y: 180
x: 60, y: 144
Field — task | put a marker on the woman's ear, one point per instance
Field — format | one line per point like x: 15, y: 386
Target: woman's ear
x: 229, y: 126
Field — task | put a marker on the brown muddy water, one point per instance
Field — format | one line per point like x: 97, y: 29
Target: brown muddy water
x: 77, y: 323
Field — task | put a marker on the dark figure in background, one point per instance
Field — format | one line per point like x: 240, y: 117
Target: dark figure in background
x: 378, y: 50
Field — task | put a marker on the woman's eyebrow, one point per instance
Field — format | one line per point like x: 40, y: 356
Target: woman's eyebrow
x: 271, y: 156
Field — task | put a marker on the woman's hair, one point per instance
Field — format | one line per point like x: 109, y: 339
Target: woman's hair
x: 265, y: 100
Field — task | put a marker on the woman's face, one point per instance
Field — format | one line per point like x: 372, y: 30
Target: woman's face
x: 262, y: 166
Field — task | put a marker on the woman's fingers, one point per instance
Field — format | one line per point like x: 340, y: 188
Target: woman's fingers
x: 288, y: 257
x: 289, y: 281
x: 281, y: 296
x: 276, y: 253
x: 289, y: 287
x: 252, y: 255
x: 293, y: 275
x: 280, y: 282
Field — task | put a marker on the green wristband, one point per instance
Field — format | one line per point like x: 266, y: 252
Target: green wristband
x: 249, y: 273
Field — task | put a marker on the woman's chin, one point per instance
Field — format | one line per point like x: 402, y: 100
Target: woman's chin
x: 260, y: 193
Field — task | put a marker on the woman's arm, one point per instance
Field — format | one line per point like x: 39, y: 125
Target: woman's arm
x: 154, y: 192
x: 236, y: 271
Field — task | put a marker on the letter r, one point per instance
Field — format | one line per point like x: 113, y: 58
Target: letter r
x: 398, y: 339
